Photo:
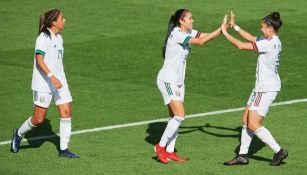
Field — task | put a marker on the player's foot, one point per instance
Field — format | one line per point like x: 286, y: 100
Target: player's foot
x: 240, y: 159
x: 66, y: 153
x: 16, y: 139
x: 173, y: 156
x: 161, y: 153
x: 278, y: 157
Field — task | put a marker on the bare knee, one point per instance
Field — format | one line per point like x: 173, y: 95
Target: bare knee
x: 65, y: 113
x: 65, y: 110
x: 39, y: 115
x: 253, y: 126
x: 37, y: 120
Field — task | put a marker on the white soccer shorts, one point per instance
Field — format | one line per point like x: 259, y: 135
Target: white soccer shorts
x: 261, y: 101
x: 171, y: 91
x: 60, y: 96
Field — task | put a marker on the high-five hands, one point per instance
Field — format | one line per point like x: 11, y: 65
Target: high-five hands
x: 224, y: 24
x: 231, y: 23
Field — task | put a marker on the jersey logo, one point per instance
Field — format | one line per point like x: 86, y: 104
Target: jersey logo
x: 60, y: 54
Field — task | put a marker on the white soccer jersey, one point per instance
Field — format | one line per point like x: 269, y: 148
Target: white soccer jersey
x: 52, y: 49
x: 177, y: 50
x: 267, y: 78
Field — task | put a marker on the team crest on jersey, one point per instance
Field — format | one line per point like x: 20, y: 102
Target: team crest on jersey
x: 42, y: 99
x: 177, y: 93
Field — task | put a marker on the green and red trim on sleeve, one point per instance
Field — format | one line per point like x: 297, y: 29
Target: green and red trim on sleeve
x: 255, y: 47
x: 186, y: 40
x: 39, y: 52
x: 198, y: 35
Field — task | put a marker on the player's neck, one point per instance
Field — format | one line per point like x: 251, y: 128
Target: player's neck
x: 270, y: 35
x: 54, y: 30
x: 184, y: 29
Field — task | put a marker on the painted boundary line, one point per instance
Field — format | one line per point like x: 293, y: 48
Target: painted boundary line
x: 153, y: 121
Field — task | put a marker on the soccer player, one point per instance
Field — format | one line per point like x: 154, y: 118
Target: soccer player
x: 267, y: 85
x: 49, y: 82
x: 170, y: 81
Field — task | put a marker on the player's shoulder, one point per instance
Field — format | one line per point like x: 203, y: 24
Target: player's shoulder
x: 60, y: 36
x: 43, y: 37
x: 178, y: 31
x: 267, y: 39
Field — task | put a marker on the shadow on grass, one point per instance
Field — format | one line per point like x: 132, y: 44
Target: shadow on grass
x: 256, y: 144
x: 155, y: 131
x: 35, y: 139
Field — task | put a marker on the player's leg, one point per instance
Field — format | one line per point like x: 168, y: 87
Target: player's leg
x: 41, y: 103
x: 63, y: 101
x: 173, y: 97
x: 170, y: 148
x: 246, y: 134
x: 246, y: 137
x: 171, y: 130
x: 255, y: 119
x: 171, y: 144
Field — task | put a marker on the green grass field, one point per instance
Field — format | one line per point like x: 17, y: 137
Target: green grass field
x: 112, y: 57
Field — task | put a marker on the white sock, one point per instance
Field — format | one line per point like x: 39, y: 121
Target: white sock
x: 170, y: 130
x: 246, y: 139
x: 25, y: 127
x: 171, y: 145
x: 65, y: 132
x: 265, y: 135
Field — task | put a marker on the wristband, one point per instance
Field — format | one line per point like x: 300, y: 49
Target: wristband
x: 237, y: 28
x: 49, y: 75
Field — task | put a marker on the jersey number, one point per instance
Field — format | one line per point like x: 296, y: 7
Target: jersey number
x: 277, y: 63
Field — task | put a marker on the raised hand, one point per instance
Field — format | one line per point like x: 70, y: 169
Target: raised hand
x: 224, y: 24
x: 232, y: 20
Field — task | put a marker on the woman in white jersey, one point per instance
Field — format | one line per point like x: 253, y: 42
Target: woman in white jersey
x: 267, y: 85
x: 49, y: 82
x: 179, y: 38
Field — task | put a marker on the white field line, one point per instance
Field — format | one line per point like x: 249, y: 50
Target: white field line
x: 152, y: 121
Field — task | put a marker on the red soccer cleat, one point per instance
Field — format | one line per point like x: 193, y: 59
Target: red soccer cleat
x: 173, y: 156
x: 160, y: 151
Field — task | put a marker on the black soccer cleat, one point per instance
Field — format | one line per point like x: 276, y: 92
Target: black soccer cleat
x: 15, y: 141
x: 279, y: 157
x: 240, y: 159
x: 67, y: 153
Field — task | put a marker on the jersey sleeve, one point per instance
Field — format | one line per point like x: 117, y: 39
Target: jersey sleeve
x: 195, y: 33
x: 41, y: 45
x: 181, y: 38
x: 262, y: 45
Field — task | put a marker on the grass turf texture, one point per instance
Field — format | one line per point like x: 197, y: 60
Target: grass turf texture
x: 112, y: 57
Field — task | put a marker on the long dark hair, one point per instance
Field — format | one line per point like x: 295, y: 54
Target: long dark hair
x: 173, y: 22
x: 273, y: 20
x: 46, y: 19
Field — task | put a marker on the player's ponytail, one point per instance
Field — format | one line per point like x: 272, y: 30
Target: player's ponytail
x: 41, y: 26
x: 174, y: 21
x: 46, y: 19
x: 273, y: 20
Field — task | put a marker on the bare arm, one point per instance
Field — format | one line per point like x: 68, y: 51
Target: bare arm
x: 41, y: 64
x: 243, y: 33
x: 239, y: 44
x: 205, y: 37
x: 203, y: 34
x: 247, y: 36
